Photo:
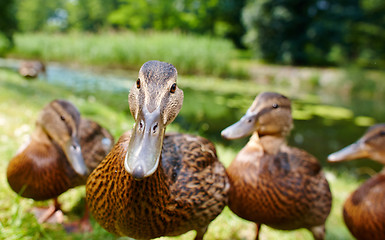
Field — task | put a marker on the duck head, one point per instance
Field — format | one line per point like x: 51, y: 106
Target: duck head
x: 370, y: 145
x: 269, y: 114
x: 155, y: 100
x: 60, y: 121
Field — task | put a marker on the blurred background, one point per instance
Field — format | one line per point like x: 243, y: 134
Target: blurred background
x: 327, y: 56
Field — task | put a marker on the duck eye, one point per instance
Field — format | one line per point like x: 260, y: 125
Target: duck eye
x: 138, y: 83
x: 173, y: 88
x: 275, y: 105
x: 62, y: 118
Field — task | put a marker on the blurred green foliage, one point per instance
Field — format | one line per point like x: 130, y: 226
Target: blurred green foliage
x: 220, y: 18
x: 297, y: 32
x: 7, y: 25
x: 317, y: 32
x: 87, y: 15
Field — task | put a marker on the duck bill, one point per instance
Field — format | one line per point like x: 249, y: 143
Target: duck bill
x: 244, y: 127
x: 145, y: 146
x: 353, y: 151
x: 74, y: 155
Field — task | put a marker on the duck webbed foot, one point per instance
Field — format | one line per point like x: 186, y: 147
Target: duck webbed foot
x: 52, y: 214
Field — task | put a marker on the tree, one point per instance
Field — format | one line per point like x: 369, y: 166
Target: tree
x: 300, y: 31
x: 7, y: 25
x: 215, y: 17
x: 135, y: 15
x: 89, y: 15
x: 32, y: 15
x: 367, y: 38
x: 231, y: 17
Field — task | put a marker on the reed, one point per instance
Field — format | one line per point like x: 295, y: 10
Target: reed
x: 191, y: 54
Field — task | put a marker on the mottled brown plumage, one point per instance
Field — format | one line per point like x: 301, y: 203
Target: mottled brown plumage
x: 151, y: 184
x: 95, y: 141
x: 31, y: 68
x: 272, y: 183
x: 61, y: 152
x: 364, y: 209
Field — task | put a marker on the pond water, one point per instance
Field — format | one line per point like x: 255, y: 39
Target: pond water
x: 321, y: 127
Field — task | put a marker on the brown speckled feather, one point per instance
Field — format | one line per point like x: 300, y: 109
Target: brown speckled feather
x: 44, y: 171
x: 364, y: 210
x: 96, y: 142
x: 285, y: 191
x: 185, y: 193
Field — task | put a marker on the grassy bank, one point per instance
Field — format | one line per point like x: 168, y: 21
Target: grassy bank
x: 190, y: 53
x: 20, y: 102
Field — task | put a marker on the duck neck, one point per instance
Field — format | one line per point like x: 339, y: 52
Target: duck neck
x: 39, y: 135
x: 270, y: 144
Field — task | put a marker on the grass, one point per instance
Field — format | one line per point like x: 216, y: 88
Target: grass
x: 20, y: 102
x: 191, y: 54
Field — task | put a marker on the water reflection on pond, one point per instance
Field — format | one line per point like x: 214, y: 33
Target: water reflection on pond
x: 89, y: 79
x: 323, y: 124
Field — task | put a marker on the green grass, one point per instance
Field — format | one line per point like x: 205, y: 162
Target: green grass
x: 191, y: 54
x: 20, y: 102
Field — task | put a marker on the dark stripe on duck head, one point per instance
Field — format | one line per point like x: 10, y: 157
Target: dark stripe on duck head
x: 269, y: 109
x: 68, y: 114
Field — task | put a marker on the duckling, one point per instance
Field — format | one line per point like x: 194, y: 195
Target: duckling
x: 154, y: 184
x: 62, y: 151
x: 272, y: 183
x: 31, y: 68
x: 364, y: 210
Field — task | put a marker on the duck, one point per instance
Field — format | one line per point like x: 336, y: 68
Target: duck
x: 364, y: 209
x: 31, y: 68
x: 62, y: 150
x: 272, y: 183
x: 154, y: 184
